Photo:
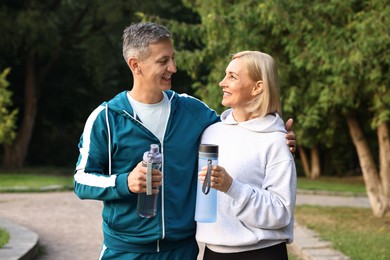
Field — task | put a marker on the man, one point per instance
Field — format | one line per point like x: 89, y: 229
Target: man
x: 116, y: 135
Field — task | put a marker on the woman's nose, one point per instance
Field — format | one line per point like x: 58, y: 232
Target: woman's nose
x: 222, y: 83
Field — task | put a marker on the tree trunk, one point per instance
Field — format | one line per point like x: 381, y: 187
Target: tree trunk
x: 370, y: 173
x: 15, y: 154
x: 384, y: 158
x: 304, y: 161
x: 315, y: 164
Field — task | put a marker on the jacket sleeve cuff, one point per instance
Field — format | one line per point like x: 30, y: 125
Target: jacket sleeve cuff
x: 122, y: 186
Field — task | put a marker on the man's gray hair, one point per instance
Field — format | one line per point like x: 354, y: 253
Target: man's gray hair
x: 138, y: 36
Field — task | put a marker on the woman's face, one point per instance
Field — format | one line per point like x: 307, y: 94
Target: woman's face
x: 237, y: 87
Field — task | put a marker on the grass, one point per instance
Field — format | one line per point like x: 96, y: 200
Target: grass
x: 292, y: 257
x: 4, y: 237
x: 349, y: 185
x: 35, y: 179
x: 353, y: 231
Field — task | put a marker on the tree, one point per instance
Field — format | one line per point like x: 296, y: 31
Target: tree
x: 7, y: 117
x: 45, y: 32
x: 77, y: 61
x: 333, y: 57
x: 223, y: 30
x: 204, y: 46
x: 346, y: 46
x: 371, y: 43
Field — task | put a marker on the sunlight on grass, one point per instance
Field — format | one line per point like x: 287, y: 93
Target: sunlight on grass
x: 345, y: 184
x: 35, y: 179
x: 353, y: 231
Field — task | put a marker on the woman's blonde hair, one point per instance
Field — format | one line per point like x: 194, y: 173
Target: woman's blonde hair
x: 261, y: 66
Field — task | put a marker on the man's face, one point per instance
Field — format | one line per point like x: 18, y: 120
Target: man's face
x: 158, y: 68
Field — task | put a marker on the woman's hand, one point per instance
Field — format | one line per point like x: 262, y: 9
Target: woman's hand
x: 220, y: 179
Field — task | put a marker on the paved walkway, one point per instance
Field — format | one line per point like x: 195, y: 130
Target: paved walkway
x: 69, y: 228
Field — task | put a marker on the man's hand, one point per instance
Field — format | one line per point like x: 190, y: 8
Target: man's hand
x: 290, y: 136
x: 136, y: 180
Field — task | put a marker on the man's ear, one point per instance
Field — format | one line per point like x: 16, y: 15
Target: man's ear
x: 134, y: 65
x: 258, y: 88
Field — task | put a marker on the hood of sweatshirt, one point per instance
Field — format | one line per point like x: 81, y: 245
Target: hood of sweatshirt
x: 267, y: 124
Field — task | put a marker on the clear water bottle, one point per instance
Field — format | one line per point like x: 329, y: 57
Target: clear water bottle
x: 147, y: 202
x: 206, y: 197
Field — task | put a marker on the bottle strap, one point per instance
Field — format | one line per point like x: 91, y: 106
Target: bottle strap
x: 207, y: 181
x: 149, y: 168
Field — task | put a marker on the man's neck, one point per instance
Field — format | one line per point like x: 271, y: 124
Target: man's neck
x: 146, y: 97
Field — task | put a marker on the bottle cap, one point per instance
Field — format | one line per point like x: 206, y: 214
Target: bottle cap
x: 154, y: 148
x: 208, y: 148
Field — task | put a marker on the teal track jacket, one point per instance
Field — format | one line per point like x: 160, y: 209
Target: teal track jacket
x: 113, y: 143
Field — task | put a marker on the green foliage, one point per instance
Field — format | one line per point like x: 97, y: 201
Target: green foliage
x: 4, y: 237
x: 222, y: 31
x: 333, y: 58
x: 73, y: 51
x: 47, y: 31
x: 7, y: 116
x: 75, y: 48
x: 372, y: 40
x: 338, y: 44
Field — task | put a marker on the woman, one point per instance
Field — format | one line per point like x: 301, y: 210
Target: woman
x: 256, y: 173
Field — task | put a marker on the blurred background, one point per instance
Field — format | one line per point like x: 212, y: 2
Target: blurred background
x: 60, y: 59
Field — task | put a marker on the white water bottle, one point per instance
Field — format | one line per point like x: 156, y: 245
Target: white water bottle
x: 206, y: 197
x: 147, y: 202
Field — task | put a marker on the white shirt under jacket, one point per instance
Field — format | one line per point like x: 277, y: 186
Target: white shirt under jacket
x: 258, y: 209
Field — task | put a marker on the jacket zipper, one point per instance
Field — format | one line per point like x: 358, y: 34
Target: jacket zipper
x: 162, y: 172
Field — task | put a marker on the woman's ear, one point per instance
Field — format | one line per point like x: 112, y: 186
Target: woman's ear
x: 258, y: 88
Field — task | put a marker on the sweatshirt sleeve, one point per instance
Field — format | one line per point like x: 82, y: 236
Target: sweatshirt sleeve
x: 270, y: 206
x: 91, y: 178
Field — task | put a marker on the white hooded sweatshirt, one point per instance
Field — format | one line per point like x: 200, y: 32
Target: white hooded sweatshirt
x: 258, y: 209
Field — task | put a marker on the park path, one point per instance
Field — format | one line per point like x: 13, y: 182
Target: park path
x: 70, y: 228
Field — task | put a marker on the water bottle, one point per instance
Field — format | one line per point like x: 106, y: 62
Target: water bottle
x: 206, y: 197
x: 147, y: 202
